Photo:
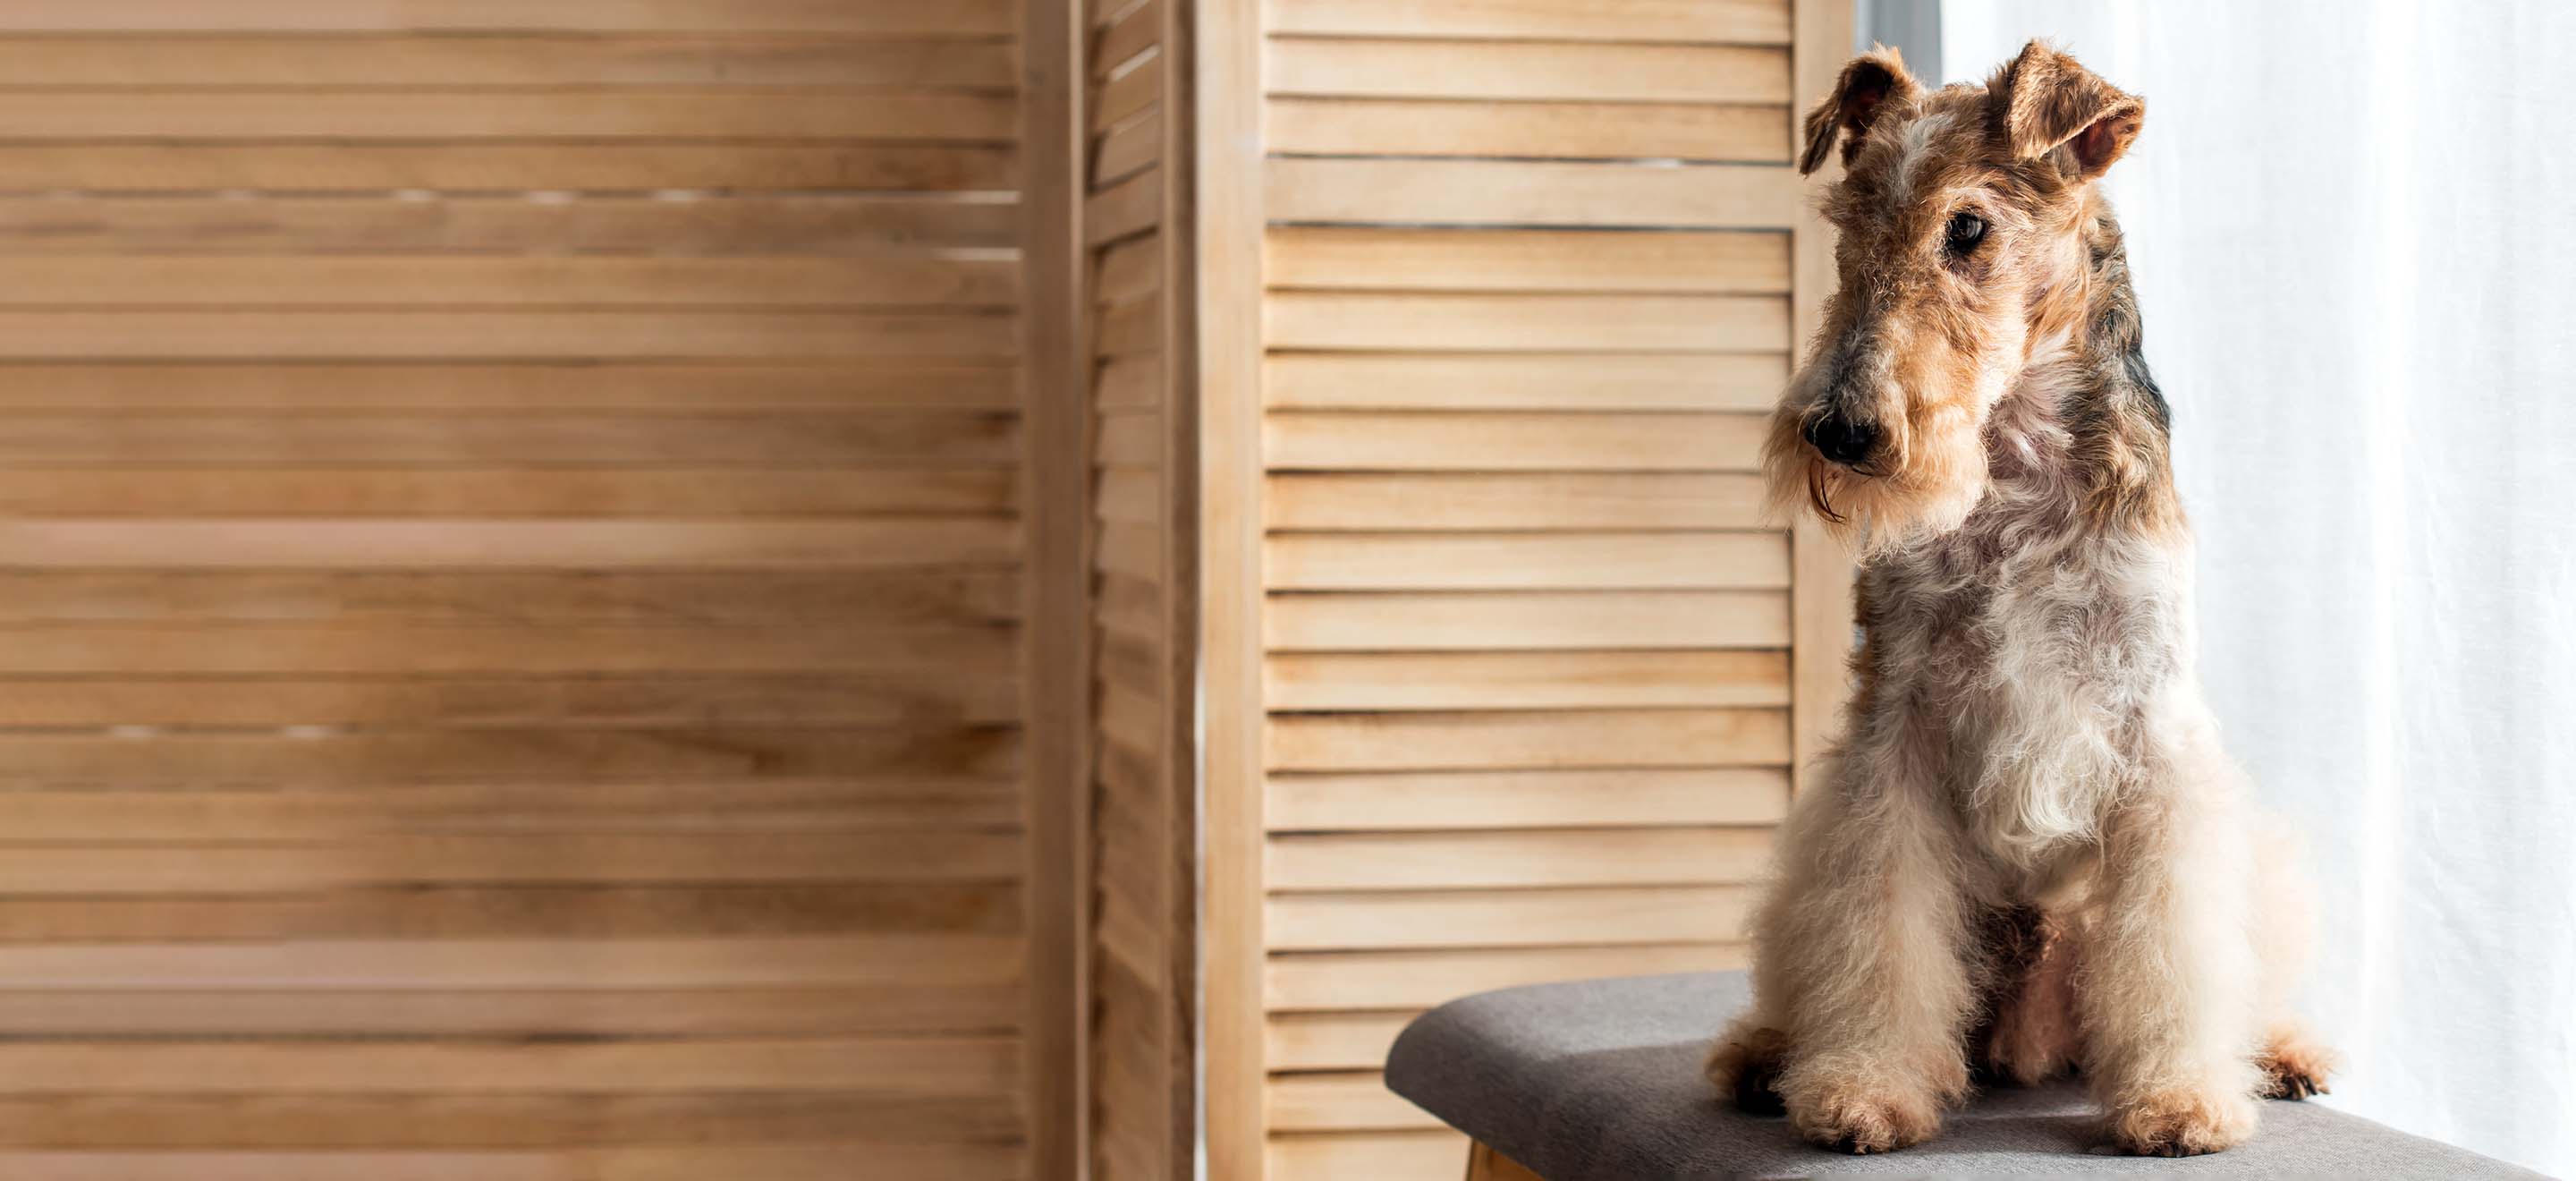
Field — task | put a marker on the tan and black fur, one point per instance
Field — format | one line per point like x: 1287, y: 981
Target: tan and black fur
x: 2030, y: 855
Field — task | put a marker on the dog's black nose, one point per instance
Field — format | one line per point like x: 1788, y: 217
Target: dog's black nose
x: 1840, y: 439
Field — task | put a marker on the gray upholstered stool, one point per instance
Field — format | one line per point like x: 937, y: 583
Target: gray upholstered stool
x: 1600, y: 1081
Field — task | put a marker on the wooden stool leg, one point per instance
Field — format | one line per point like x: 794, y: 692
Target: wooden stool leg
x: 1485, y: 1164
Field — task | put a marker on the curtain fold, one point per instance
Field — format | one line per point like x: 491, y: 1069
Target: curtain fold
x: 2351, y: 234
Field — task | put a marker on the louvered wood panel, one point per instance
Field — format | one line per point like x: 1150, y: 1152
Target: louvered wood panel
x: 1533, y: 275
x: 515, y: 578
x: 1143, y: 1013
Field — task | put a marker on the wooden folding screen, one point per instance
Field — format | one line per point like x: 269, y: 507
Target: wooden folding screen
x: 512, y: 566
x: 1533, y: 676
x: 1431, y: 342
x: 1142, y: 816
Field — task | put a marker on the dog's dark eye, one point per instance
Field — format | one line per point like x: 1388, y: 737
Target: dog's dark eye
x: 1966, y: 230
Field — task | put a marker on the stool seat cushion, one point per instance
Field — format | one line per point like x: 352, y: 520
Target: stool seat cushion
x: 1600, y: 1080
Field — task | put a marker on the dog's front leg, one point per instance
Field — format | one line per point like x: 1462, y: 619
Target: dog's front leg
x: 2170, y: 980
x: 1862, y: 950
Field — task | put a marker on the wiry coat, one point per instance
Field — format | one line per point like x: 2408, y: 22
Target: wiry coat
x: 2029, y: 853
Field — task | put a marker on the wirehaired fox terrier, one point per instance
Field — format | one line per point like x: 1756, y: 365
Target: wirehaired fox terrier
x: 2029, y: 855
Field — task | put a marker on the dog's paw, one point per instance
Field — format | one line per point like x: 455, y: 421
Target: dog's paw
x: 2182, y: 1123
x: 2294, y: 1066
x: 1860, y: 1120
x: 1745, y: 1066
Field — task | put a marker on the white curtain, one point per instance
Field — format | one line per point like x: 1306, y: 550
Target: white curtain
x: 2353, y: 226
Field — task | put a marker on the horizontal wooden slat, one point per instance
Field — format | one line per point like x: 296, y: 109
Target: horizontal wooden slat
x: 1708, y: 262
x: 1530, y: 193
x: 1434, y: 622
x: 1523, y: 680
x: 216, y: 816
x: 1552, y: 500
x: 1525, y: 381
x: 1321, y: 440
x: 347, y: 281
x: 1527, y: 799
x: 1129, y: 383
x: 1317, y: 1102
x: 926, y: 1161
x: 1132, y: 269
x: 1742, y: 21
x: 735, y: 389
x: 925, y: 1066
x: 551, y: 753
x: 470, y: 334
x: 1517, y: 917
x: 323, y: 16
x: 1332, y: 1041
x: 1131, y: 206
x: 1530, y: 130
x: 303, y: 491
x: 815, y: 224
x: 1526, y: 561
x: 196, y: 168
x: 613, y: 59
x: 512, y: 910
x: 539, y: 544
x: 918, y: 437
x: 1410, y: 979
x: 1129, y: 149
x: 175, y: 1009
x: 381, y: 647
x: 1533, y: 323
x: 406, y: 965
x: 918, y: 697
x: 1366, y: 1154
x: 1132, y: 31
x: 1517, y: 860
x: 891, y: 596
x: 310, y: 1129
x: 1534, y: 739
x: 1127, y: 95
x: 662, y: 113
x: 1525, y: 70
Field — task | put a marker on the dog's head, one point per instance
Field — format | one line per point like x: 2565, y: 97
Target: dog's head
x: 1960, y: 222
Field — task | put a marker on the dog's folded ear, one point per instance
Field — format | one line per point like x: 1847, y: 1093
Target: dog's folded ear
x: 2044, y: 100
x: 1867, y: 83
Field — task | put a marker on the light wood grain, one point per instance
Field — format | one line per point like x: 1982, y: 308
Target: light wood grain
x: 1525, y: 561
x: 616, y: 167
x: 1419, y: 978
x: 1531, y: 323
x: 1524, y: 70
x: 334, y: 16
x: 1526, y: 381
x: 1600, y: 738
x: 1354, y: 257
x: 1528, y: 620
x: 1528, y: 799
x: 1525, y: 680
x: 1736, y: 21
x: 1366, y: 1154
x: 1499, y: 192
x: 526, y: 653
x: 1528, y: 501
x: 758, y: 223
x: 1336, y: 1101
x: 665, y: 113
x: 1532, y: 130
x: 1518, y: 917
x: 499, y: 60
x: 1322, y: 440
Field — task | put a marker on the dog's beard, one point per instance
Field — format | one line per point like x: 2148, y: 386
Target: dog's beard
x: 1920, y: 485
